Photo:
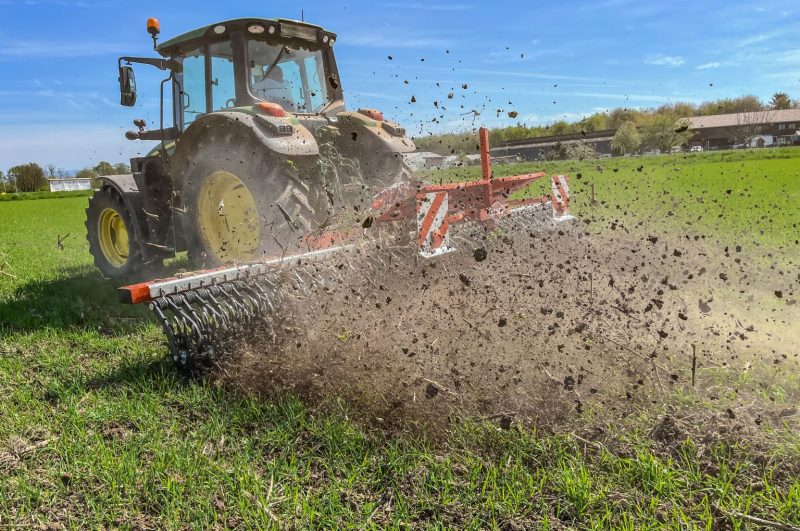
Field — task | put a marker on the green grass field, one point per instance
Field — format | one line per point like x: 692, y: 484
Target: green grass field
x: 98, y: 431
x: 746, y: 195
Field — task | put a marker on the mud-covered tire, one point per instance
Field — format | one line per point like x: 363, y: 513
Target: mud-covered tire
x: 396, y: 172
x: 106, y: 210
x: 285, y: 192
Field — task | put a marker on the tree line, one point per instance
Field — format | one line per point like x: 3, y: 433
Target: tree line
x: 654, y: 124
x: 31, y: 177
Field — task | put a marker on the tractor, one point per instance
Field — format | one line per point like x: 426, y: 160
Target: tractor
x: 263, y: 174
x: 257, y: 152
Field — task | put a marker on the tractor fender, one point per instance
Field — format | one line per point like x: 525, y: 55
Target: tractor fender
x: 242, y: 124
x: 357, y: 128
x: 125, y: 185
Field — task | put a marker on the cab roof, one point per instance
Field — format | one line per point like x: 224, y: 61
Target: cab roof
x: 283, y: 27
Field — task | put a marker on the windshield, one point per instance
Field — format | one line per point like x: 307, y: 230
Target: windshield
x: 291, y: 76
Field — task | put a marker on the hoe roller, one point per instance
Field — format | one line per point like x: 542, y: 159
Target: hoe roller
x: 263, y: 172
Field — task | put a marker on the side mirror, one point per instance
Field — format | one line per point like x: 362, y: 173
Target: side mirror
x: 127, y: 86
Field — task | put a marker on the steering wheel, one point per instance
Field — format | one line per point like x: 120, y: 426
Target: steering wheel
x: 230, y: 103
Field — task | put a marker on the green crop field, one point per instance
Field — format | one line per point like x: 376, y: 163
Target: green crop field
x: 98, y: 431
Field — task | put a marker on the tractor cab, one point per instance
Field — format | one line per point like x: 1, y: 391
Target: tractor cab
x: 243, y: 62
x: 258, y: 155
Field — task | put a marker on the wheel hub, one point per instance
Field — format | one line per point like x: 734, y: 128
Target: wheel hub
x: 228, y: 218
x: 113, y: 237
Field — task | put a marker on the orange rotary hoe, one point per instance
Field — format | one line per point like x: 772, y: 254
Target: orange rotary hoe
x: 200, y: 309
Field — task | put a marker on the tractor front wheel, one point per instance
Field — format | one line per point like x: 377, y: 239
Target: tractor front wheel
x: 112, y: 242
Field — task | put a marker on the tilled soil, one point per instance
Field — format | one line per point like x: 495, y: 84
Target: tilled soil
x: 533, y: 326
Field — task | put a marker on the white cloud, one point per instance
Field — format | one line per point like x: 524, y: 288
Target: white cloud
x: 756, y: 39
x: 360, y: 94
x: 664, y: 60
x: 706, y: 66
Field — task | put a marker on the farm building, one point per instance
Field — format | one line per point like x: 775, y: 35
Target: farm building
x: 746, y: 129
x: 70, y: 184
x: 425, y: 160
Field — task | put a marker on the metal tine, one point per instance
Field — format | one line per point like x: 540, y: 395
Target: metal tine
x: 201, y: 323
x: 165, y: 323
x: 218, y: 316
x: 267, y: 298
x: 313, y: 276
x: 205, y: 319
x: 245, y: 297
x: 298, y: 274
x: 222, y: 309
x: 201, y: 330
x: 240, y: 308
x: 300, y: 284
x: 254, y: 296
x: 185, y: 319
x: 225, y: 308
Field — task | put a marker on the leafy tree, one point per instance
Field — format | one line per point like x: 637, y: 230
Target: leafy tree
x: 679, y: 109
x: 665, y: 131
x: 28, y: 177
x: 580, y: 151
x: 121, y: 168
x: 627, y: 139
x: 561, y: 128
x: 596, y: 122
x: 620, y: 115
x: 3, y: 182
x: 86, y: 173
x: 104, y: 168
x: 780, y: 101
x: 731, y: 105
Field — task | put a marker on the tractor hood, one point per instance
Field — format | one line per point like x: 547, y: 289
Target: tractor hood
x: 287, y: 29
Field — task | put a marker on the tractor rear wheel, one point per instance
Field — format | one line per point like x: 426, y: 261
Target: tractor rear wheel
x: 112, y: 242
x: 242, y: 204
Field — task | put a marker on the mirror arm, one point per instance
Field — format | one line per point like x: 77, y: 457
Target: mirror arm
x: 161, y: 64
x: 170, y: 133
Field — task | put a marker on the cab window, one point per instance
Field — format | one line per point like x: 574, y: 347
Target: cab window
x: 291, y: 75
x: 194, y: 85
x: 223, y: 88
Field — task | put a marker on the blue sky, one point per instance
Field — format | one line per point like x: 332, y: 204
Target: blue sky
x: 544, y: 60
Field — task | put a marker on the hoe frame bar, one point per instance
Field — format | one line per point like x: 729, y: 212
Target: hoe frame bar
x: 144, y: 292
